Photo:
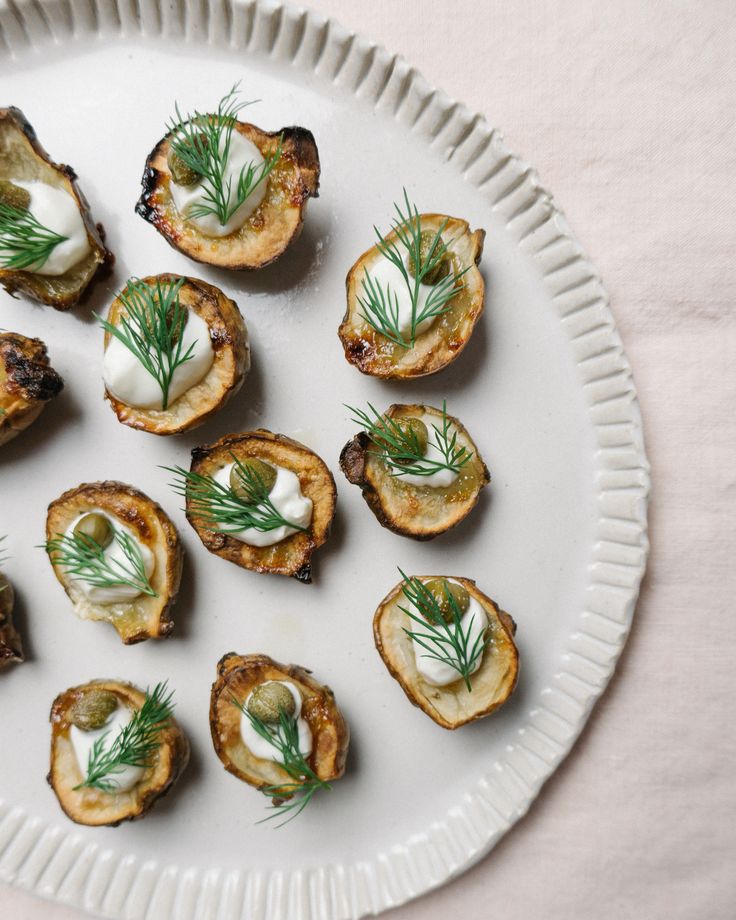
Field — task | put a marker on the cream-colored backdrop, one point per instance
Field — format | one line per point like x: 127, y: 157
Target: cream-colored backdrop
x: 627, y: 109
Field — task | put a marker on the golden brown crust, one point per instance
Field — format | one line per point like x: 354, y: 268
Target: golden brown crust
x: 144, y: 617
x: 27, y: 383
x: 419, y: 512
x: 11, y: 646
x: 374, y: 354
x: 93, y: 807
x: 229, y: 339
x: 291, y: 556
x: 273, y: 226
x: 453, y: 705
x: 23, y: 157
x: 237, y: 675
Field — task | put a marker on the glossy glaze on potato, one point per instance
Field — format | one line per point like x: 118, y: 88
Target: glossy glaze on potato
x: 27, y: 383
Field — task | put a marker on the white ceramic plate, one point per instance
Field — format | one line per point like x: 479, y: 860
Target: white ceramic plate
x: 544, y: 387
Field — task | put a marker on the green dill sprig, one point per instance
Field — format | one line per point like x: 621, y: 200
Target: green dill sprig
x: 380, y: 305
x: 202, y: 142
x: 401, y: 449
x: 442, y: 641
x: 134, y: 746
x: 283, y: 736
x: 84, y: 559
x: 220, y: 509
x: 25, y: 243
x: 151, y: 327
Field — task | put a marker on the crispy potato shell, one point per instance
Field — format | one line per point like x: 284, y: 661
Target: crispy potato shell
x: 453, y: 705
x: 92, y: 806
x: 11, y: 646
x: 272, y: 227
x: 374, y: 354
x: 27, y: 383
x: 144, y: 617
x: 229, y: 339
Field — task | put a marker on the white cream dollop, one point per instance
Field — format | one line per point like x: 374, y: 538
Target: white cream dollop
x: 388, y: 276
x: 258, y: 745
x: 128, y: 380
x: 242, y: 153
x: 286, y: 497
x: 438, y: 673
x: 57, y: 210
x: 83, y: 742
x: 440, y: 479
x: 113, y: 553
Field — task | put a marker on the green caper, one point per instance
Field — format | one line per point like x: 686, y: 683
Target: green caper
x: 91, y: 710
x: 442, y: 265
x: 269, y: 700
x: 95, y: 530
x: 181, y: 172
x: 13, y: 196
x: 439, y: 589
x: 415, y: 435
x: 260, y: 471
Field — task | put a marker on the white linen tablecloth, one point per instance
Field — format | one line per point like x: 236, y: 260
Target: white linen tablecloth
x: 627, y: 110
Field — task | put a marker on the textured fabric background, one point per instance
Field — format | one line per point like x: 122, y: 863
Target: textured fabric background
x: 627, y: 110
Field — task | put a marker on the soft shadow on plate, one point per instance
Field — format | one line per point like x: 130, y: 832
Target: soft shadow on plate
x: 60, y: 413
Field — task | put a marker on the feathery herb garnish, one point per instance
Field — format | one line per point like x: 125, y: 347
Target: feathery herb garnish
x: 151, y: 327
x: 134, y: 745
x: 417, y: 264
x: 283, y: 736
x: 443, y: 641
x: 401, y: 449
x: 24, y: 241
x: 221, y: 510
x: 202, y: 142
x: 84, y: 559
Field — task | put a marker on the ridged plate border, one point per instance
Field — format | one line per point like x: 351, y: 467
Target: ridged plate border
x: 56, y: 862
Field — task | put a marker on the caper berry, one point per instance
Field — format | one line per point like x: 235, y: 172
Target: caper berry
x: 415, y: 433
x: 439, y: 588
x: 91, y: 710
x: 442, y: 265
x: 259, y: 470
x: 13, y: 196
x: 95, y: 530
x: 269, y: 700
x: 181, y: 172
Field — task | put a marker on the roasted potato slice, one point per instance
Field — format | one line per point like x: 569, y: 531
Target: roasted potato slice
x: 23, y: 157
x: 419, y: 512
x: 144, y: 617
x: 272, y: 227
x: 94, y: 807
x: 237, y: 676
x: 229, y: 339
x: 11, y: 646
x: 452, y: 705
x: 27, y: 383
x: 375, y: 354
x: 291, y: 556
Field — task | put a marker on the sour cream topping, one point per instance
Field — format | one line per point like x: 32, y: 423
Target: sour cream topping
x: 384, y: 273
x: 83, y: 742
x: 439, y: 673
x: 129, y: 381
x: 286, y: 497
x: 440, y: 479
x: 242, y: 153
x: 58, y: 211
x: 260, y: 747
x: 113, y: 553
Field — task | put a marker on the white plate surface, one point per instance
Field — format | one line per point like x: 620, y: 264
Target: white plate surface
x: 544, y: 387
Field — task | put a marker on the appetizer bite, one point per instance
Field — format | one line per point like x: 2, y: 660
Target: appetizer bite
x: 419, y: 471
x: 50, y: 249
x: 11, y: 647
x: 114, y: 751
x: 260, y: 500
x: 449, y: 646
x: 224, y: 192
x: 274, y: 727
x: 27, y: 383
x: 176, y: 350
x: 118, y: 557
x: 413, y: 299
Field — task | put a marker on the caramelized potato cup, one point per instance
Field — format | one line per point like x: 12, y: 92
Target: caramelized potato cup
x: 452, y: 705
x: 11, y: 646
x: 94, y: 807
x: 27, y: 383
x: 375, y: 354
